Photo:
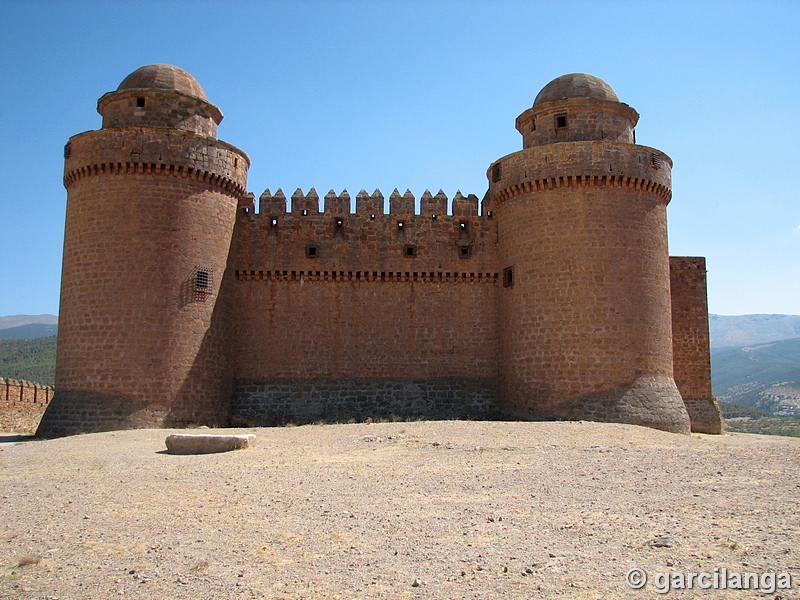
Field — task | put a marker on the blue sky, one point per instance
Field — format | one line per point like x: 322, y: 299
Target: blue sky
x: 424, y: 95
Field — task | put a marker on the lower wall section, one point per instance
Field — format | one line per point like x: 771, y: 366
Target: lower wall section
x: 268, y: 403
x: 22, y: 404
x: 705, y: 414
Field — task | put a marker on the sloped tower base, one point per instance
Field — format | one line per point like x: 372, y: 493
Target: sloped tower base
x: 651, y: 401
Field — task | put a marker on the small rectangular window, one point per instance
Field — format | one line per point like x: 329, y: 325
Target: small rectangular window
x: 464, y: 251
x: 311, y: 251
x: 561, y: 121
x: 410, y: 250
x: 140, y: 102
x: 508, y: 277
x: 496, y: 173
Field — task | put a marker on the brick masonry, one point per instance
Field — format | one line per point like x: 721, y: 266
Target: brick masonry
x: 310, y: 310
x: 22, y: 404
x: 691, y: 342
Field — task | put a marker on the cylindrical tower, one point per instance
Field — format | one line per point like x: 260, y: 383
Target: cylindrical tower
x: 582, y: 239
x: 151, y: 205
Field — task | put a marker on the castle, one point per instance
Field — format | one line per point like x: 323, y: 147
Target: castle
x: 182, y: 303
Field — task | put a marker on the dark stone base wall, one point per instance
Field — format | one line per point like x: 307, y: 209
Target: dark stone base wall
x: 269, y: 403
x: 75, y: 412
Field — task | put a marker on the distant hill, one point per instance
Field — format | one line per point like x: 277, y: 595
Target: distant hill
x: 27, y: 327
x: 765, y: 376
x: 28, y: 332
x: 33, y: 360
x: 747, y: 330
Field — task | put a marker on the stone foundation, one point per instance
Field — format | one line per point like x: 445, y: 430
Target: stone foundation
x: 268, y: 403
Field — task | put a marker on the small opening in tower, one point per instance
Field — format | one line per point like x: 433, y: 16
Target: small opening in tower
x: 400, y: 224
x: 463, y: 226
x: 410, y: 250
x: 496, y: 173
x: 203, y: 280
x: 464, y: 251
x: 311, y: 251
x: 533, y: 125
x: 372, y: 217
x: 304, y: 212
x: 508, y: 277
x: 434, y: 217
x: 140, y: 102
x: 273, y: 222
x: 339, y: 223
x: 246, y: 210
x: 489, y: 214
x: 561, y: 121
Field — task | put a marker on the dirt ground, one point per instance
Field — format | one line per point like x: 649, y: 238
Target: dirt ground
x: 434, y: 510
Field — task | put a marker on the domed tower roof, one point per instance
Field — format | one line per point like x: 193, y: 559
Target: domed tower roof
x: 162, y: 77
x: 163, y: 97
x: 576, y: 85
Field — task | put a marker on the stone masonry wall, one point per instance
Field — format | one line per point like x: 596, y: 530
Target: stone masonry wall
x: 22, y: 404
x: 398, y: 297
x: 260, y: 404
x: 691, y: 342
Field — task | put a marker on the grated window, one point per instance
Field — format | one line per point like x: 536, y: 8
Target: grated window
x: 203, y: 280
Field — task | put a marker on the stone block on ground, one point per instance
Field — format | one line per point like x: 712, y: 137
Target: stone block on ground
x: 187, y: 443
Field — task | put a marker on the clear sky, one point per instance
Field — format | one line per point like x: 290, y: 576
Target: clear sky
x: 424, y: 95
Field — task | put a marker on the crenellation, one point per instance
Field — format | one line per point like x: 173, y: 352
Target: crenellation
x: 305, y: 204
x: 402, y: 205
x: 367, y: 204
x: 272, y: 206
x: 339, y: 205
x: 465, y: 206
x: 22, y: 404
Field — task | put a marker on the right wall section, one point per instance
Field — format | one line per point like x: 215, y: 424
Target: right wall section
x: 690, y: 342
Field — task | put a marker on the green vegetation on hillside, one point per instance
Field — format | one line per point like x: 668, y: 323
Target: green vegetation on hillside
x: 773, y: 362
x: 733, y: 411
x: 765, y: 426
x: 746, y: 419
x: 33, y: 360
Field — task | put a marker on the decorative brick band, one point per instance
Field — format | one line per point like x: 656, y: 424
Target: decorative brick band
x: 574, y: 181
x: 359, y: 276
x: 121, y: 168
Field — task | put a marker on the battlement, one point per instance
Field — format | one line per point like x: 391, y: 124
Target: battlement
x: 22, y: 404
x: 274, y: 205
x: 319, y: 239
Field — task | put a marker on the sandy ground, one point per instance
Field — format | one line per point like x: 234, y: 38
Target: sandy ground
x: 435, y: 510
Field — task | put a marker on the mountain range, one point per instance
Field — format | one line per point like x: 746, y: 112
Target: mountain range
x: 26, y: 327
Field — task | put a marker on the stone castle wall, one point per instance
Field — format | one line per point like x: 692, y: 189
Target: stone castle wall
x: 691, y: 344
x: 22, y: 404
x: 406, y: 300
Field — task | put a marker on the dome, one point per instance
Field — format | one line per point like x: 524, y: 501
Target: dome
x: 162, y: 77
x: 576, y: 85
